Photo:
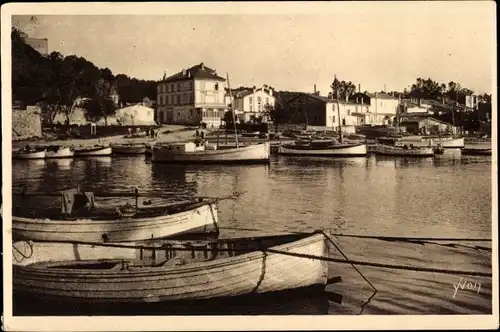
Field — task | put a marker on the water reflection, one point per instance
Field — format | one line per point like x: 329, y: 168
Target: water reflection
x: 448, y: 195
x: 60, y: 164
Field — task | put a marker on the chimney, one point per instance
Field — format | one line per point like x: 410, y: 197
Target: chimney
x: 314, y: 88
x: 270, y: 91
x: 359, y: 87
x: 183, y: 72
x: 202, y: 66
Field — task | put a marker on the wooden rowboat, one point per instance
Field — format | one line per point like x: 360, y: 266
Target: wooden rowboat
x: 129, y: 149
x: 391, y: 150
x: 172, y: 271
x: 476, y: 152
x: 324, y: 148
x: 29, y: 154
x: 103, y: 225
x: 190, y: 153
x: 94, y: 151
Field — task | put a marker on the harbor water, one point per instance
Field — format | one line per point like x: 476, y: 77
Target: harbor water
x: 445, y: 196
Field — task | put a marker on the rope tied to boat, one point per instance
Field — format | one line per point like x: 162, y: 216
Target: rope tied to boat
x: 23, y: 256
x: 375, y: 290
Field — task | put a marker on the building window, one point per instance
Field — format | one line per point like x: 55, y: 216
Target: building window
x: 267, y: 100
x: 259, y: 100
x: 169, y: 100
x: 333, y: 119
x: 169, y: 87
x: 216, y: 87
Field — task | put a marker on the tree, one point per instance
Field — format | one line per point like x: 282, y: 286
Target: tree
x: 426, y: 89
x: 101, y: 105
x: 58, y: 81
x: 342, y: 89
x: 229, y: 119
x: 277, y: 113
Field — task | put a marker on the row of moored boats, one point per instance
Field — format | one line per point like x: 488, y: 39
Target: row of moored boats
x: 201, y: 151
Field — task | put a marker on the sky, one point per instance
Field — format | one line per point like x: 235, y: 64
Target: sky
x: 387, y: 44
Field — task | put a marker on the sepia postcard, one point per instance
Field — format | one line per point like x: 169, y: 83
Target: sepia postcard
x: 249, y: 166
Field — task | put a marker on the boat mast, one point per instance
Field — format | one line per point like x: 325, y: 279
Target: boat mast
x: 338, y: 112
x: 232, y: 110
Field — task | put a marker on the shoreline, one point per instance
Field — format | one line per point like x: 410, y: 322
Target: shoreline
x: 176, y: 133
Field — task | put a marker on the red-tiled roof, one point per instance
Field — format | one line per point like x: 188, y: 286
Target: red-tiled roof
x: 199, y: 71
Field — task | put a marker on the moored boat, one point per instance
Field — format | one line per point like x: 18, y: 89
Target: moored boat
x: 93, y: 151
x: 190, y: 152
x: 476, y: 151
x: 447, y: 142
x: 128, y: 149
x: 405, y: 151
x: 80, y: 220
x: 325, y: 148
x: 59, y: 152
x: 29, y: 153
x: 170, y: 271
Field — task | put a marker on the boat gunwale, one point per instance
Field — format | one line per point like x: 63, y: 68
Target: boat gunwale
x: 333, y: 147
x: 201, y: 153
x: 97, y: 222
x: 160, y: 271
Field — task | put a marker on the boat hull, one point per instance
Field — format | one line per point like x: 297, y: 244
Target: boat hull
x: 388, y: 150
x: 444, y: 142
x: 355, y: 150
x: 129, y: 150
x: 476, y: 152
x: 61, y: 153
x: 98, y: 152
x: 255, y: 272
x: 257, y: 153
x: 29, y: 155
x: 200, y: 219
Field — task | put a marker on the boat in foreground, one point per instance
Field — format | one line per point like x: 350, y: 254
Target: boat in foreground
x: 190, y: 152
x: 326, y: 148
x: 29, y: 153
x: 93, y: 151
x: 405, y: 151
x: 126, y: 223
x: 170, y: 271
x: 59, y: 152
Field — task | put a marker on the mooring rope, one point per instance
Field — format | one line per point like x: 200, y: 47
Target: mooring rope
x: 375, y: 290
x: 376, y: 237
x: 28, y: 256
x: 287, y: 253
x: 381, y: 265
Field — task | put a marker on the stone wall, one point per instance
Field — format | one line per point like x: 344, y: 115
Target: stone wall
x: 26, y: 124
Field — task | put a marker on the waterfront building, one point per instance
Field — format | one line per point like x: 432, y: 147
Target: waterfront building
x: 136, y: 115
x: 250, y: 103
x: 322, y: 113
x: 379, y: 108
x: 427, y: 125
x: 193, y: 96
